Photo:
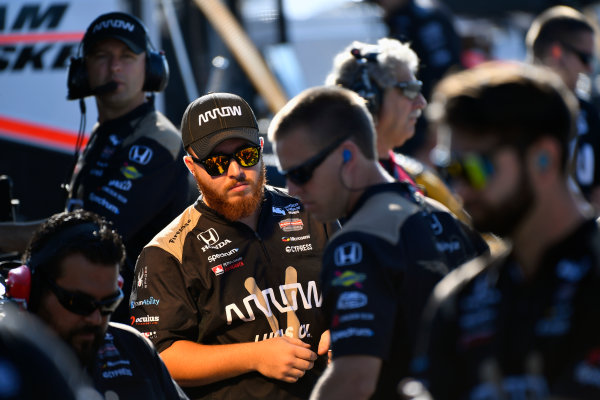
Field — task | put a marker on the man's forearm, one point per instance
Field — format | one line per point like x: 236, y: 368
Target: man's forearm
x: 195, y: 364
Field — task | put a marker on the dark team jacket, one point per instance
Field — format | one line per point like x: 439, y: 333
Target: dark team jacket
x: 212, y: 281
x: 587, y: 148
x: 379, y: 270
x: 127, y: 364
x: 132, y: 173
x: 492, y: 334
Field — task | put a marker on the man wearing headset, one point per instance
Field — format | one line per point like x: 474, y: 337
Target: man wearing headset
x: 130, y: 170
x: 70, y: 280
x: 384, y: 74
x: 379, y: 269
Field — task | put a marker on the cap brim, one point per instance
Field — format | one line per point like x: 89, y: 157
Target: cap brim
x: 203, y: 147
x: 132, y: 46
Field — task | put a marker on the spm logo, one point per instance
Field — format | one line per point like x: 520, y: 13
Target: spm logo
x: 130, y: 172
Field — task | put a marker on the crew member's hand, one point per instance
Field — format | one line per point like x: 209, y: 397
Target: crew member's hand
x: 324, y: 345
x: 284, y: 358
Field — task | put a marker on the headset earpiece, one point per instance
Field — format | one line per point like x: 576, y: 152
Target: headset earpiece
x: 77, y: 80
x: 18, y: 285
x: 346, y: 155
x: 157, y: 71
x: 543, y: 161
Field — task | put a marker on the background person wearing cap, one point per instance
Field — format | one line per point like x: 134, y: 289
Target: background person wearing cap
x: 229, y: 291
x: 73, y: 262
x: 130, y: 171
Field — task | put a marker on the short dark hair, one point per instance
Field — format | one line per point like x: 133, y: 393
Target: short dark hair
x: 328, y: 113
x: 556, y: 24
x: 63, y: 234
x: 515, y: 102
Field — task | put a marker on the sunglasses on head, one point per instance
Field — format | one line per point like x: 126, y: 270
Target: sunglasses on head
x: 217, y: 164
x: 475, y: 169
x: 302, y: 173
x: 84, y: 304
x: 410, y: 89
x: 585, y: 58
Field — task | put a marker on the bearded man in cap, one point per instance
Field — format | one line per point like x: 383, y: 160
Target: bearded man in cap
x: 229, y: 291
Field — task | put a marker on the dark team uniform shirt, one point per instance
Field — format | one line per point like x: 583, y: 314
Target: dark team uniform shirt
x: 132, y: 173
x: 211, y: 281
x: 492, y: 334
x: 128, y: 366
x: 587, y: 148
x: 379, y: 270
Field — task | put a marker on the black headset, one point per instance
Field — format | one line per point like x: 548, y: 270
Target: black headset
x: 363, y: 84
x: 157, y: 69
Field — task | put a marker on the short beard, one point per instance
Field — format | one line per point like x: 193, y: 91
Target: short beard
x: 504, y: 219
x: 241, y: 207
x: 87, y: 354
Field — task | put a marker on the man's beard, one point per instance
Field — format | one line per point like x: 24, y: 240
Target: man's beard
x: 502, y: 220
x: 87, y: 351
x: 240, y: 206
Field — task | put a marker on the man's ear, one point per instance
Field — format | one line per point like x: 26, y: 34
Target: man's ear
x: 189, y: 163
x: 545, y: 156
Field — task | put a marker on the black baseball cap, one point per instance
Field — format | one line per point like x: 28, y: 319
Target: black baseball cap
x: 116, y: 25
x: 214, y: 118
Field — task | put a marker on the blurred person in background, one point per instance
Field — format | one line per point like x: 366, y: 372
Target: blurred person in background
x: 564, y: 40
x: 429, y: 28
x: 526, y: 323
x: 385, y: 75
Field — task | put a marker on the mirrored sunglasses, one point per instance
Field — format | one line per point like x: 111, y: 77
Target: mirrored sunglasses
x: 302, y: 173
x: 84, y: 304
x: 410, y: 89
x: 217, y: 164
x: 475, y: 169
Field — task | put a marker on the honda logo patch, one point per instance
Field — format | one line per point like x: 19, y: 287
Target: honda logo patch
x: 348, y: 254
x: 210, y: 237
x: 140, y: 154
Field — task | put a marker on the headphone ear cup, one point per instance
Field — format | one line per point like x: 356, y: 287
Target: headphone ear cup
x: 78, y: 84
x: 18, y: 284
x: 157, y: 71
